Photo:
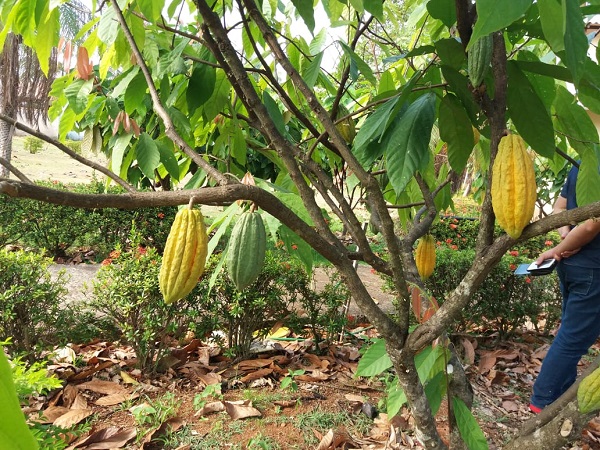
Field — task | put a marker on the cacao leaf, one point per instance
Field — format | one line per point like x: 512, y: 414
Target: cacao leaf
x: 528, y: 112
x: 576, y: 43
x: 374, y: 361
x: 456, y: 130
x: 552, y: 20
x: 408, y: 148
x: 468, y: 426
x: 488, y: 19
x: 147, y: 154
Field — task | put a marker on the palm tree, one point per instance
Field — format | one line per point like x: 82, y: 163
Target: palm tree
x: 24, y: 88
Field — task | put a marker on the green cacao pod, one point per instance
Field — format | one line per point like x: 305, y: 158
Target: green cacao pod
x: 184, y: 257
x: 514, y: 190
x: 425, y: 256
x: 588, y: 392
x: 479, y: 59
x: 246, y: 253
x: 347, y: 129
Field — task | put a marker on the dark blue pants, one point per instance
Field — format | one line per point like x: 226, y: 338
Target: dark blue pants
x: 579, y: 329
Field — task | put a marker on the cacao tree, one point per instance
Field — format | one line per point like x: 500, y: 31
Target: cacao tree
x: 185, y: 98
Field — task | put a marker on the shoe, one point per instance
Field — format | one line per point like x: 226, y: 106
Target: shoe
x: 534, y: 409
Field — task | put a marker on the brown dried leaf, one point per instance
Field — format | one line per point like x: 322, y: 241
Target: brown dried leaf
x: 254, y: 364
x: 469, y: 350
x: 91, y: 371
x: 107, y: 438
x: 73, y: 417
x: 69, y: 394
x: 237, y: 411
x: 209, y: 408
x: 103, y: 387
x: 115, y: 399
x: 256, y: 375
x: 52, y: 413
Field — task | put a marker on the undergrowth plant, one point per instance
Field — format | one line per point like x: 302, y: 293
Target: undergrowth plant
x: 30, y: 302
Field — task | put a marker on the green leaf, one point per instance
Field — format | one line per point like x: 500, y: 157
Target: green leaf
x: 311, y: 72
x: 219, y: 100
x: 374, y: 361
x: 375, y: 7
x: 552, y: 19
x: 588, y: 88
x: 46, y: 38
x: 588, y: 179
x: 118, y: 151
x: 133, y: 99
x: 167, y: 158
x: 147, y: 154
x: 489, y: 18
x: 362, y: 66
x: 306, y: 11
x: 275, y: 113
x: 576, y: 43
x: 77, y: 94
x: 66, y: 124
x: 108, y: 27
x: 444, y: 10
x: 548, y: 70
x: 297, y: 247
x: 372, y: 129
x: 295, y: 203
x: 124, y: 81
x: 528, y: 112
x: 456, y: 130
x: 408, y: 148
x: 451, y: 52
x: 201, y: 86
x: 396, y: 398
x: 316, y: 45
x: 151, y: 9
x: 468, y: 426
x: 435, y: 390
x: 459, y: 85
x: 14, y: 432
x: 237, y: 146
x: 574, y: 122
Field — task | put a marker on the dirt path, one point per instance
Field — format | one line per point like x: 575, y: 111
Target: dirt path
x: 80, y: 279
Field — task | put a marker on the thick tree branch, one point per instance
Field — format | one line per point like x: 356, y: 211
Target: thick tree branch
x: 100, y: 168
x: 20, y: 175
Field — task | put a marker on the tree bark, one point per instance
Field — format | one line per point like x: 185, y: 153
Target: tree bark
x: 9, y: 91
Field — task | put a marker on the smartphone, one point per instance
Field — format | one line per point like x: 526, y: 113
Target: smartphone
x: 544, y: 268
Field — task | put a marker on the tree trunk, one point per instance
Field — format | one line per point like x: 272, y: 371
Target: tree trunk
x: 9, y: 91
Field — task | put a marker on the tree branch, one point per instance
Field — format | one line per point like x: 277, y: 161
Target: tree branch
x: 100, y: 168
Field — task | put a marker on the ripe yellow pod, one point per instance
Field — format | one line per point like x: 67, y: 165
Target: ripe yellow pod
x: 184, y: 257
x: 425, y: 256
x: 514, y: 190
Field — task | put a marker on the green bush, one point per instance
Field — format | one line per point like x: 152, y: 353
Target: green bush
x: 33, y: 144
x: 30, y: 301
x: 126, y: 291
x: 504, y: 302
x: 50, y: 227
x: 281, y: 294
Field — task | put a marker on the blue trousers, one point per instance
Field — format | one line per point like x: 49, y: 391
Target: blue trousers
x: 579, y: 329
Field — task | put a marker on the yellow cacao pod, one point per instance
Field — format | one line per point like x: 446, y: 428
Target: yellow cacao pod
x: 184, y: 256
x: 513, y: 185
x: 347, y: 129
x: 425, y: 256
x: 588, y: 392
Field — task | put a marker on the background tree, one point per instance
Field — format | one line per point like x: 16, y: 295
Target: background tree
x: 243, y: 89
x: 24, y: 83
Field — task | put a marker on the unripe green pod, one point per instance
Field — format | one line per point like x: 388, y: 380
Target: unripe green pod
x: 479, y: 59
x: 246, y: 252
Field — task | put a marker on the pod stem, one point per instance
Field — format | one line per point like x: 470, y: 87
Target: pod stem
x: 191, y: 203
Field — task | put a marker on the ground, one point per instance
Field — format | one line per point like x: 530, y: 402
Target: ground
x: 330, y: 408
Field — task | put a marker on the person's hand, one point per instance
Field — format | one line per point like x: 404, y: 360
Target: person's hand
x: 548, y: 254
x: 563, y: 231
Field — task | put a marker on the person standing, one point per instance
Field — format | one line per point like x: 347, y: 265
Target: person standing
x: 578, y: 270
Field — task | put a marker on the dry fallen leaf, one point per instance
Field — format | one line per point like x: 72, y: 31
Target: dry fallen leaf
x: 115, y: 399
x: 103, y: 387
x: 107, y: 438
x: 237, y: 411
x: 73, y: 417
